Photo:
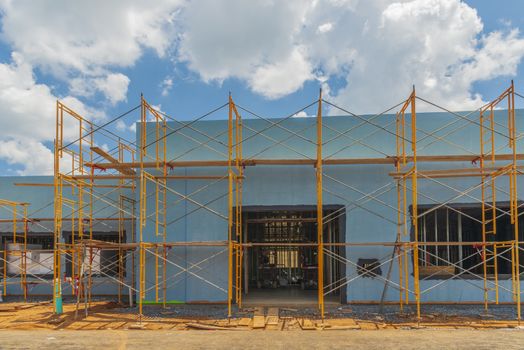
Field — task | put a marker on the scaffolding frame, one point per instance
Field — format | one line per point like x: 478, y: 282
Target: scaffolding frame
x: 125, y: 170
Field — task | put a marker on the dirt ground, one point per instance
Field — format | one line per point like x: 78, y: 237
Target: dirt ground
x: 387, y: 339
x: 110, y: 325
x: 113, y: 316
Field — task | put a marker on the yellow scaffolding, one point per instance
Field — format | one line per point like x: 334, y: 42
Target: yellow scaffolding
x: 82, y: 165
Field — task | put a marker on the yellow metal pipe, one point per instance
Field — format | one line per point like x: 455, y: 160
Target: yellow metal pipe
x: 320, y: 212
x: 230, y: 209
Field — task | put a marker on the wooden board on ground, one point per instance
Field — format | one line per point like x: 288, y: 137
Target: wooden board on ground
x: 138, y: 326
x: 210, y: 327
x: 226, y: 323
x: 95, y: 325
x: 259, y: 321
x: 244, y: 321
x: 307, y: 324
x: 342, y: 322
x: 368, y: 326
x: 116, y: 325
x: 272, y: 320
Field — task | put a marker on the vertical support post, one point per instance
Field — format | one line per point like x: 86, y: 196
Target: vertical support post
x: 91, y: 183
x: 483, y: 209
x: 239, y: 251
x: 15, y: 222
x: 5, y: 270
x: 230, y: 209
x: 156, y: 273
x: 495, y: 264
x: 320, y: 213
x: 400, y: 203
x: 57, y: 181
x: 25, y: 251
x: 143, y: 213
x: 120, y: 236
x: 414, y: 203
x: 406, y: 275
x: 513, y: 274
x: 164, y: 223
x: 90, y: 277
x: 141, y: 281
x: 514, y: 193
x: 164, y: 275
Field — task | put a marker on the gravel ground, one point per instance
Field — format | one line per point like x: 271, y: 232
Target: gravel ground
x: 389, y: 313
x: 392, y: 313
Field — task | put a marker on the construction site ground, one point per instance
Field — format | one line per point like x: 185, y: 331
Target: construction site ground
x: 103, y: 315
x: 33, y: 325
x: 387, y: 339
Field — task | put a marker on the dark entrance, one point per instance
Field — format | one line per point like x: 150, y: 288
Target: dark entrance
x: 281, y: 266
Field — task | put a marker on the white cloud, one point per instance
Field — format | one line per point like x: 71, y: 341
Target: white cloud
x: 374, y: 50
x: 34, y: 156
x: 244, y: 39
x: 82, y: 45
x: 112, y: 85
x: 436, y: 45
x: 283, y: 77
x: 166, y: 86
x: 324, y: 28
x: 88, y: 40
x: 377, y: 49
x: 303, y: 114
x: 27, y: 120
x: 120, y: 125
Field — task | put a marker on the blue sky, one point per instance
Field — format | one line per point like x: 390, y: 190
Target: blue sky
x: 273, y: 57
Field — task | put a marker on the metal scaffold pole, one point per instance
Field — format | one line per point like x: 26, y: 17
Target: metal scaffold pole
x: 414, y: 204
x: 230, y: 209
x: 320, y: 211
x: 514, y: 195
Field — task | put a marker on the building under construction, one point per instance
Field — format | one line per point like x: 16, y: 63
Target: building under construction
x: 235, y: 207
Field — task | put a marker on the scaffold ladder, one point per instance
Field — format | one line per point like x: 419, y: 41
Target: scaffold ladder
x: 489, y: 200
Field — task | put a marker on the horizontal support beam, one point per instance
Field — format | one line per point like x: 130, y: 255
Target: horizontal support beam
x: 371, y: 244
x: 262, y: 221
x: 28, y: 184
x: 29, y: 220
x: 130, y: 246
x: 134, y: 177
x: 462, y: 172
x: 302, y: 161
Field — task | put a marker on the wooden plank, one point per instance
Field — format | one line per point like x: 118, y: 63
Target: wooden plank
x: 259, y: 321
x: 367, y: 326
x: 341, y: 328
x: 245, y: 321
x: 343, y: 322
x: 111, y: 159
x: 271, y: 320
x: 210, y: 327
x: 306, y: 324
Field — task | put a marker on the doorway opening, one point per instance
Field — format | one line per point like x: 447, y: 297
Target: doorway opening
x: 281, y: 261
